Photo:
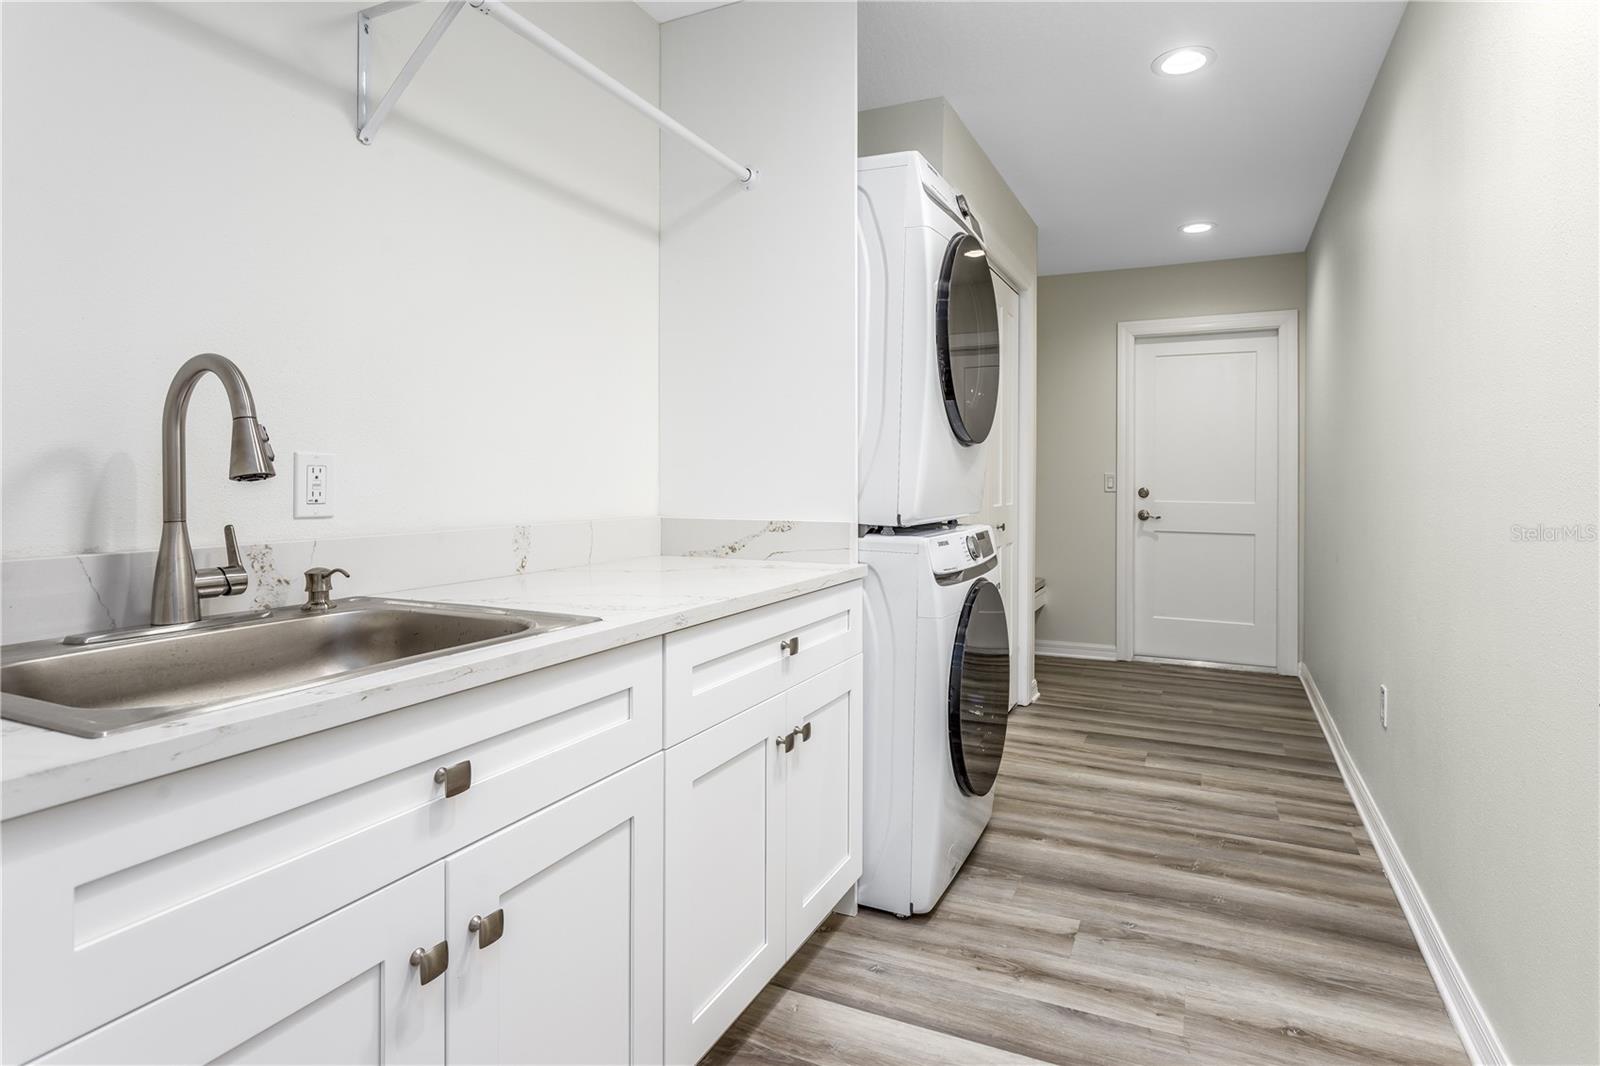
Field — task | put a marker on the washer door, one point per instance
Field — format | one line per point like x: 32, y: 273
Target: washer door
x: 968, y: 330
x: 980, y: 689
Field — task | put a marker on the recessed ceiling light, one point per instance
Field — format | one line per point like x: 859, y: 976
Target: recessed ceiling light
x: 1185, y: 60
x: 1197, y: 227
x: 974, y: 253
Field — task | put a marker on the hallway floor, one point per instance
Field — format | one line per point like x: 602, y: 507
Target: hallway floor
x: 1175, y: 873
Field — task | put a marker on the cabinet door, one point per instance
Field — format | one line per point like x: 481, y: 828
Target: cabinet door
x: 725, y: 932
x: 566, y: 964
x: 340, y: 990
x: 823, y: 801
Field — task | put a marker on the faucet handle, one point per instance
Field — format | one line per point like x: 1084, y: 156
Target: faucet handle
x: 229, y: 580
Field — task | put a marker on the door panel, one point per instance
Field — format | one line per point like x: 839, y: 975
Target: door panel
x: 575, y: 974
x: 823, y: 799
x: 1205, y: 446
x: 725, y: 930
x: 340, y: 990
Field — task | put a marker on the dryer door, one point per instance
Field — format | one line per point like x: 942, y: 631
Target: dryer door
x: 980, y: 689
x: 968, y: 332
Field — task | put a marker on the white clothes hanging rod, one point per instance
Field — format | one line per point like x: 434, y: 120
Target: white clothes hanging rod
x: 368, y: 120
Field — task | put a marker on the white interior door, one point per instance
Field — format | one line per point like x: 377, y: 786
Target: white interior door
x: 1205, y: 538
x: 1000, y: 480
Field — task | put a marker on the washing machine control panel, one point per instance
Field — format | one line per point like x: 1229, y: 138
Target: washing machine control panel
x: 961, y: 549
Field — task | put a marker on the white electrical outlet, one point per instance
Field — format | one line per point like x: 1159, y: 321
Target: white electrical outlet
x: 1383, y: 706
x: 313, y: 485
x: 1111, y: 482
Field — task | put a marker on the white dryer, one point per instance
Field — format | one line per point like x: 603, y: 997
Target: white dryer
x: 938, y: 697
x: 929, y: 345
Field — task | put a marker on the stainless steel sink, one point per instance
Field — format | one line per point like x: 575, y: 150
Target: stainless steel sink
x: 108, y: 682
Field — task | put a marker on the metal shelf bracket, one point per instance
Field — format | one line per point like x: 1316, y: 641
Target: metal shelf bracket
x: 369, y: 117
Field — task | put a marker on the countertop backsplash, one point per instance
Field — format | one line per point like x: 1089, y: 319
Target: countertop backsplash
x: 51, y: 597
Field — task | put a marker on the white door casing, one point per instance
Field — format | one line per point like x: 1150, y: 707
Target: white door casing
x: 1000, y: 491
x: 1208, y: 423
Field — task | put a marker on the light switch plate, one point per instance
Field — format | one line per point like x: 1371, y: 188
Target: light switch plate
x: 1111, y: 482
x: 313, y: 484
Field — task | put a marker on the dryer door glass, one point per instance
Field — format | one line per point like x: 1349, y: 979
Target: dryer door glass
x: 968, y: 330
x: 980, y: 689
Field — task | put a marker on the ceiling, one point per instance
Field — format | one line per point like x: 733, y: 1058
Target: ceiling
x: 667, y: 10
x: 1110, y: 158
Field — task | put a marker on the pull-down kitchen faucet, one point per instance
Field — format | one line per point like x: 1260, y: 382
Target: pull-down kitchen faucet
x: 178, y: 587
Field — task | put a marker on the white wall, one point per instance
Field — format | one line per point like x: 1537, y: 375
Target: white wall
x: 1451, y: 399
x: 465, y: 312
x: 758, y: 287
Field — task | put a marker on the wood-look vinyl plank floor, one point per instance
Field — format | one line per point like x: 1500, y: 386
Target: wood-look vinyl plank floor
x: 1174, y: 874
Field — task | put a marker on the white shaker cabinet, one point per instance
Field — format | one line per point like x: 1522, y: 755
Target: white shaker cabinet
x: 822, y: 798
x: 555, y: 932
x: 574, y: 887
x: 343, y: 989
x: 725, y: 934
x: 763, y: 838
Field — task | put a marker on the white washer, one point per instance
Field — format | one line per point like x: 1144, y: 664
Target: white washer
x: 938, y: 696
x: 929, y: 345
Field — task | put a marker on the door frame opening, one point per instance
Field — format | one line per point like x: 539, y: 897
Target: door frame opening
x: 1286, y: 324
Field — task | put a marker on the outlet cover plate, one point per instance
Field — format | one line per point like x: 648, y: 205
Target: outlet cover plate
x: 313, y: 484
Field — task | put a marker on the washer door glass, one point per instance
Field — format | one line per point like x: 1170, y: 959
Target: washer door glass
x: 968, y: 321
x: 980, y: 689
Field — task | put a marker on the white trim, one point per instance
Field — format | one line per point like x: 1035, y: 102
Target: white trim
x: 1067, y: 649
x: 1471, y: 1022
x: 1287, y: 325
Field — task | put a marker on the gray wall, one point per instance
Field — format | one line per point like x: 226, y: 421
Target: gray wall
x: 1450, y: 399
x: 933, y: 128
x: 1078, y: 316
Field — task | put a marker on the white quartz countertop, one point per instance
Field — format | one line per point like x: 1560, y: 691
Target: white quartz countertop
x: 635, y: 599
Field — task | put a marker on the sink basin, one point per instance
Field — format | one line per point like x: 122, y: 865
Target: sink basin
x: 105, y: 683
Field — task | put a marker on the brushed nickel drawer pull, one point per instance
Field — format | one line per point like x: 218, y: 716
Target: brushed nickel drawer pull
x: 805, y: 731
x: 489, y: 927
x: 431, y: 962
x: 790, y: 646
x: 786, y: 742
x: 455, y: 779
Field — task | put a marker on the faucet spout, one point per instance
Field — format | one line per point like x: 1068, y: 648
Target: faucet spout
x: 178, y: 589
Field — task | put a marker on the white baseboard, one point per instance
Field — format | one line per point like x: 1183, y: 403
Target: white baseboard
x: 1066, y: 649
x: 1466, y: 1013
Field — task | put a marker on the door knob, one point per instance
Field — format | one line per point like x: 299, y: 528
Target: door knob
x: 1145, y: 515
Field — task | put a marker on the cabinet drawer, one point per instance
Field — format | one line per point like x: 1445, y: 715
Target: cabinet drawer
x: 719, y: 669
x: 117, y: 899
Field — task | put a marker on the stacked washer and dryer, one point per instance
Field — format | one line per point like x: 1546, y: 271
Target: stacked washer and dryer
x: 938, y: 654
